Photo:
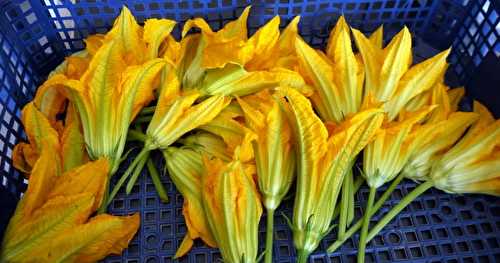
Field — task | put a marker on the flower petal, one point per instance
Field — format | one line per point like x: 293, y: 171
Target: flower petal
x: 155, y: 32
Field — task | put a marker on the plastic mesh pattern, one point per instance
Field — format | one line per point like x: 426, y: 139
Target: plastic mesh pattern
x: 437, y: 227
x: 476, y: 38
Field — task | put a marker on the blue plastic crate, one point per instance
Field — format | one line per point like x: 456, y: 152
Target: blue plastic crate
x: 36, y: 35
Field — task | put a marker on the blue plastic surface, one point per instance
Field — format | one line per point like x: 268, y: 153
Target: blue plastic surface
x: 36, y: 35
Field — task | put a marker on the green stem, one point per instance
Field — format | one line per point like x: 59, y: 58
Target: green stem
x: 366, y: 224
x: 137, y: 172
x: 269, y: 236
x: 103, y: 208
x: 350, y: 210
x: 344, y: 205
x: 398, y: 208
x: 302, y: 256
x: 143, y: 119
x: 353, y: 229
x: 126, y: 174
x: 155, y: 176
x: 148, y: 110
x: 135, y: 135
x: 357, y: 184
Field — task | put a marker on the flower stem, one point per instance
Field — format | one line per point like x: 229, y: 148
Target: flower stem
x: 353, y: 229
x: 143, y: 119
x: 137, y: 171
x: 356, y: 185
x: 155, y: 177
x: 398, y: 208
x: 126, y: 174
x: 344, y: 204
x: 269, y: 236
x: 147, y: 110
x: 135, y: 135
x: 103, y: 208
x: 366, y: 224
x: 302, y: 255
x: 350, y: 211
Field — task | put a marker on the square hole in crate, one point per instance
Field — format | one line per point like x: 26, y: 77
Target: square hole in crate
x: 447, y: 248
x: 416, y: 252
x: 411, y: 237
x: 472, y: 229
x: 493, y: 242
x: 431, y: 250
x: 477, y: 245
x: 400, y: 254
x: 462, y: 246
x: 166, y: 229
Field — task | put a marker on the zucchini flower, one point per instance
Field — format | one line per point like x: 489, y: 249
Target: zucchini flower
x: 38, y: 129
x: 470, y: 166
x: 185, y: 168
x: 337, y: 77
x: 118, y: 81
x: 175, y: 115
x: 208, y: 143
x: 53, y: 222
x: 274, y: 152
x: 323, y: 161
x: 441, y: 131
x: 101, y: 95
x: 232, y: 208
x: 390, y: 149
x: 234, y: 134
x: 227, y: 62
x: 389, y: 77
x: 106, y: 90
x: 383, y: 160
x: 51, y: 102
x: 68, y: 142
x: 473, y: 164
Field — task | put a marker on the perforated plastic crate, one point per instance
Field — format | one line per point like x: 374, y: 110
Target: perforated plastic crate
x: 36, y: 35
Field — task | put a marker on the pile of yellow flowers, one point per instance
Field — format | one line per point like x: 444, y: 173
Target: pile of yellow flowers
x: 238, y: 119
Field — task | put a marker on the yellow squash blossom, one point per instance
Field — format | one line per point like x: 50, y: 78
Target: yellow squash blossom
x: 208, y: 143
x: 185, y: 168
x: 139, y: 44
x: 323, y: 161
x: 214, y: 49
x: 227, y: 62
x: 473, y: 164
x: 114, y: 87
x: 38, y: 129
x: 52, y: 221
x: 232, y: 208
x: 156, y: 31
x: 440, y: 132
x: 388, y: 75
x: 274, y: 152
x: 234, y: 133
x: 73, y: 152
x: 176, y: 114
x: 68, y: 142
x: 337, y: 77
x: 103, y: 95
x: 386, y: 155
x: 287, y: 57
x: 51, y: 102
